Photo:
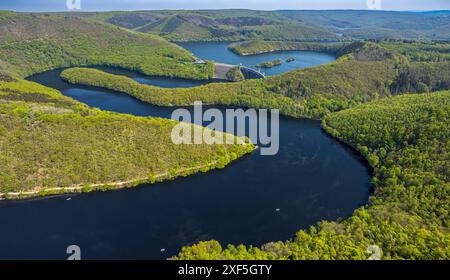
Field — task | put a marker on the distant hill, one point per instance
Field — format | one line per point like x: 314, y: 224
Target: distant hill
x: 31, y: 43
x: 216, y: 25
x: 378, y: 24
x: 295, y: 25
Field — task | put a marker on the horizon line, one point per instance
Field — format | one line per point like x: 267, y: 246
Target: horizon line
x: 229, y: 9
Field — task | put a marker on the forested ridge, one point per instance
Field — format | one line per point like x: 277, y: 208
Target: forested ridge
x: 406, y: 140
x: 285, y: 25
x: 33, y: 43
x: 48, y: 140
x: 50, y: 143
x: 214, y: 93
x: 260, y: 46
x: 364, y: 71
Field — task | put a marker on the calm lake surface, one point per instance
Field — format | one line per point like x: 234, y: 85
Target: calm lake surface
x: 312, y: 178
x: 218, y: 51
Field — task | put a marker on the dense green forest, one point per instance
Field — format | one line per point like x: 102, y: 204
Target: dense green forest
x: 284, y: 25
x: 50, y: 144
x: 235, y: 75
x: 260, y: 46
x: 419, y: 51
x: 367, y: 24
x: 223, y: 25
x: 270, y: 64
x: 236, y: 94
x: 33, y: 43
x: 363, y: 72
x: 406, y: 140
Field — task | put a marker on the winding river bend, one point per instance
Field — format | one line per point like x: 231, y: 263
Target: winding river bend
x: 312, y: 178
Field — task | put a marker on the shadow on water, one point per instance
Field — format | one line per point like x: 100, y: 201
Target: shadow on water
x: 312, y: 178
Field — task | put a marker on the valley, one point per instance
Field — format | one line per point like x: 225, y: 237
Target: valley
x: 85, y: 106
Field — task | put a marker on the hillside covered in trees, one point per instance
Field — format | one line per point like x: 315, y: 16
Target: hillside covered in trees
x: 379, y: 25
x: 285, y: 25
x: 32, y: 43
x: 53, y: 144
x: 260, y: 46
x: 406, y: 140
x: 219, y: 25
x: 364, y: 71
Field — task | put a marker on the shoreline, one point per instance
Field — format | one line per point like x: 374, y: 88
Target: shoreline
x: 97, y: 187
x: 240, y: 48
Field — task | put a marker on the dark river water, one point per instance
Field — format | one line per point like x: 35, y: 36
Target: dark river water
x: 312, y: 178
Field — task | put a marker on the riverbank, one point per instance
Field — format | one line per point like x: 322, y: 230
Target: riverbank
x: 270, y: 64
x: 408, y: 213
x: 51, y: 140
x: 249, y: 48
x: 243, y: 196
x: 87, y: 188
x: 299, y: 93
x: 211, y: 94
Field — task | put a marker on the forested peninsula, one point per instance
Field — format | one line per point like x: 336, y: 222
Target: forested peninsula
x: 389, y: 99
x: 364, y: 71
x: 364, y: 102
x: 52, y: 144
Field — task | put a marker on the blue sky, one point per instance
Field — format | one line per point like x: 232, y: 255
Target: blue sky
x: 108, y: 5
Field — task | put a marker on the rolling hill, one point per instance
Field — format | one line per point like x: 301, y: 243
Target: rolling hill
x: 292, y: 25
x: 405, y: 139
x: 33, y: 43
x: 226, y: 25
x: 51, y: 144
